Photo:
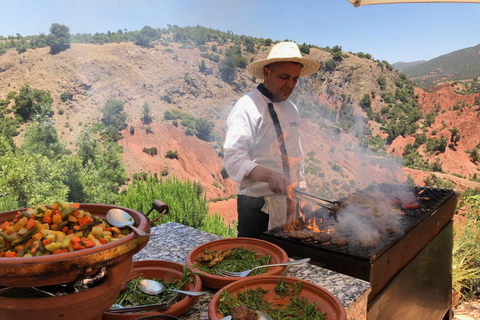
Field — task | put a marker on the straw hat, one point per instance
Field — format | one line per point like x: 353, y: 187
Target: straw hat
x: 283, y: 52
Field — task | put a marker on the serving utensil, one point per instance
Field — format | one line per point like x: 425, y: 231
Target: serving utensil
x: 158, y: 306
x: 226, y: 273
x: 153, y: 287
x: 120, y: 218
x: 337, y: 205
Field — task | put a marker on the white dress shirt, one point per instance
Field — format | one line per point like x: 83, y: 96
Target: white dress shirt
x: 251, y: 140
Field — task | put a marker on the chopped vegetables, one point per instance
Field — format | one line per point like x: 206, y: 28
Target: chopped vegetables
x: 60, y: 228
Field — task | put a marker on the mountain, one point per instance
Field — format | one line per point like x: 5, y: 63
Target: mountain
x: 168, y: 77
x: 402, y: 66
x: 459, y: 65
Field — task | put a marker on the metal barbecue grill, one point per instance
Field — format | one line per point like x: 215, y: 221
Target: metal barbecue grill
x: 421, y: 242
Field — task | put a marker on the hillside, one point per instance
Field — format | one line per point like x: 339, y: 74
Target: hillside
x: 402, y: 66
x: 462, y: 64
x: 92, y: 74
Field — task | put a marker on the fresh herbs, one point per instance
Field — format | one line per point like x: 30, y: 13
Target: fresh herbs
x: 296, y: 308
x: 133, y: 296
x: 240, y: 259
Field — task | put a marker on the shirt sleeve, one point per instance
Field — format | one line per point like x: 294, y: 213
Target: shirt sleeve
x: 241, y: 127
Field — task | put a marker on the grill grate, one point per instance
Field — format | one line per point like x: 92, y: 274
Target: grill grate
x: 430, y: 199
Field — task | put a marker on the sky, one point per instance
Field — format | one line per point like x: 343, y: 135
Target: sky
x: 391, y: 32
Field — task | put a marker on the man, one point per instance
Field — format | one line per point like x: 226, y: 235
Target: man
x: 262, y: 150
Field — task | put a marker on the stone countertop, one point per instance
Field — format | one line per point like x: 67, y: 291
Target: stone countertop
x: 173, y: 241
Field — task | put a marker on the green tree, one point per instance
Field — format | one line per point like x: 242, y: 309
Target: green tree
x: 204, y: 129
x: 32, y: 179
x: 455, y: 136
x: 114, y: 119
x: 365, y: 102
x: 202, y: 68
x: 330, y: 65
x: 304, y: 48
x: 59, y: 38
x: 474, y: 156
x: 233, y: 60
x: 41, y: 138
x: 29, y: 101
x: 382, y: 82
x: 146, y: 118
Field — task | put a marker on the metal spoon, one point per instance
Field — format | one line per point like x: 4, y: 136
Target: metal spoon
x: 260, y: 316
x: 153, y: 287
x: 119, y: 218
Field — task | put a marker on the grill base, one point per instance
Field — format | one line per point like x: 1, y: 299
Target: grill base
x: 423, y: 289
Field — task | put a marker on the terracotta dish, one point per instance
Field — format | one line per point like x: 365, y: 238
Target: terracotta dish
x: 88, y: 304
x: 278, y: 255
x: 325, y: 300
x: 167, y: 271
x: 71, y: 266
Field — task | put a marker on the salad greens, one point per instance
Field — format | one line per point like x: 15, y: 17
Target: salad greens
x: 133, y: 296
x: 241, y: 259
x: 297, y: 307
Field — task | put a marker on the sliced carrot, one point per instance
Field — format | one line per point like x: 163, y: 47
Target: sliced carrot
x: 34, y: 249
x: 75, y: 239
x: 62, y: 250
x: 65, y: 230
x: 5, y: 225
x: 78, y: 246
x: 10, y: 254
x: 2, y: 254
x: 47, y: 220
x: 75, y: 205
x: 30, y: 242
x: 103, y: 240
x: 81, y: 222
x: 88, y: 219
x: 46, y: 241
x: 19, y: 247
x: 31, y: 223
x: 89, y: 243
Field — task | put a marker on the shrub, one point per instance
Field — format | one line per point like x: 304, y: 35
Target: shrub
x: 171, y: 154
x: 64, y: 96
x: 150, y: 151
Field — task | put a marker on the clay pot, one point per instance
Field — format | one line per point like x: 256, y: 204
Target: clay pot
x: 168, y: 271
x: 262, y: 247
x: 325, y: 301
x: 69, y: 267
x: 84, y: 305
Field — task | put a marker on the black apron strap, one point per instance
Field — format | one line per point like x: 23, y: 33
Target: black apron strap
x: 278, y: 129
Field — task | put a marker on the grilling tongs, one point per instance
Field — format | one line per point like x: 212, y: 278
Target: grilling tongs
x: 337, y: 205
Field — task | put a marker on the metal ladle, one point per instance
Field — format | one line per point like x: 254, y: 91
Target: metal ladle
x: 120, y: 218
x: 153, y: 287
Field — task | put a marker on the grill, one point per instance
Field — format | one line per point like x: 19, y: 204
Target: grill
x: 419, y: 238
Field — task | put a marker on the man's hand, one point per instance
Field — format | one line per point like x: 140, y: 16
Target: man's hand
x: 277, y: 182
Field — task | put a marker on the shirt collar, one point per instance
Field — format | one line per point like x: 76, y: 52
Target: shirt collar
x: 265, y: 91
